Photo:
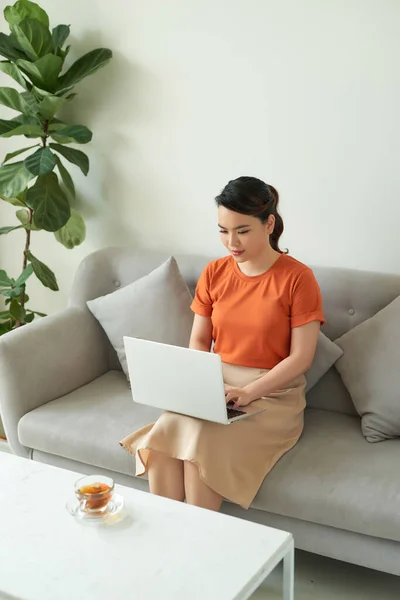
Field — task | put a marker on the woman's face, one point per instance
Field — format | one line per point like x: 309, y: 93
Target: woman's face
x: 245, y: 237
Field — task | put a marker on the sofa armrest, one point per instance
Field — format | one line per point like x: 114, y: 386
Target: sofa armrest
x: 45, y: 360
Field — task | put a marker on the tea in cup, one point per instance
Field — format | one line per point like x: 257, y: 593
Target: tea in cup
x: 94, y: 492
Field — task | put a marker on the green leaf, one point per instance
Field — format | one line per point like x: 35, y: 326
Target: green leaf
x: 27, y: 272
x: 5, y: 327
x: 56, y: 124
x: 39, y: 93
x: 41, y: 162
x: 73, y: 233
x: 25, y: 120
x: 60, y: 35
x: 43, y: 273
x: 6, y: 126
x: 85, y: 65
x: 39, y: 314
x: 17, y: 152
x: 19, y: 39
x: 49, y: 202
x: 13, y: 293
x: 66, y: 178
x: 50, y: 105
x: 31, y: 102
x: 12, y: 70
x: 11, y: 128
x: 75, y: 157
x: 4, y: 230
x: 13, y: 179
x: 8, y: 49
x: 5, y: 281
x: 17, y: 201
x: 74, y: 133
x: 11, y: 15
x: 29, y: 317
x: 33, y: 37
x: 31, y: 121
x: 12, y: 99
x: 16, y: 310
x: 29, y: 131
x: 23, y: 216
x: 64, y: 91
x: 44, y: 72
x: 31, y: 10
x: 62, y: 53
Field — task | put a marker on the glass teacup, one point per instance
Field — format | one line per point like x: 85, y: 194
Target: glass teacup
x: 94, y: 492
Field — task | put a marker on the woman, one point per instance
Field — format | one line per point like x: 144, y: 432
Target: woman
x: 263, y: 311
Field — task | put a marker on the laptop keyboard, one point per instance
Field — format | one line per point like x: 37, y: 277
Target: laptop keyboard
x: 233, y: 412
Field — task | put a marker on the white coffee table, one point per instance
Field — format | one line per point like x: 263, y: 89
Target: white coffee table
x: 160, y: 550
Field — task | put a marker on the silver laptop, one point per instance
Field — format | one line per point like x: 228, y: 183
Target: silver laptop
x: 180, y: 380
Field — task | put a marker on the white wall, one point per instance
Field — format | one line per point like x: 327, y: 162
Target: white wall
x: 303, y: 94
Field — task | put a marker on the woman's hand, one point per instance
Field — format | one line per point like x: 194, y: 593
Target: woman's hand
x: 240, y: 396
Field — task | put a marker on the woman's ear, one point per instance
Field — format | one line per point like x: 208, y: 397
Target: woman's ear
x: 270, y: 224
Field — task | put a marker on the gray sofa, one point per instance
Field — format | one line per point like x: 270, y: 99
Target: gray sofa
x: 65, y: 401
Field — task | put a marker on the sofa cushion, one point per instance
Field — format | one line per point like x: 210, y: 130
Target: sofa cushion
x: 370, y: 370
x: 155, y: 307
x: 330, y: 393
x: 87, y: 424
x: 333, y: 476
x: 326, y: 354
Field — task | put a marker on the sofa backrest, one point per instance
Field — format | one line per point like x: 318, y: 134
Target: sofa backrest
x: 349, y: 297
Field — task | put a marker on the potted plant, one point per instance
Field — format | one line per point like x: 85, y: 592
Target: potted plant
x: 35, y: 178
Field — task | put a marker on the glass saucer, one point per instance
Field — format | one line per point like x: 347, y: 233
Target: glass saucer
x: 113, y: 508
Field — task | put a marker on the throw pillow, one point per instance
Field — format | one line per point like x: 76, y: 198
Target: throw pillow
x: 155, y: 307
x: 326, y: 354
x: 370, y: 371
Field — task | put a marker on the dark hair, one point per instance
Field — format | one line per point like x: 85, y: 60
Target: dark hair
x: 253, y: 197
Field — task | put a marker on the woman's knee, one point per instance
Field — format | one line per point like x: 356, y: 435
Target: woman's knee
x: 160, y: 460
x: 197, y: 491
x: 166, y: 476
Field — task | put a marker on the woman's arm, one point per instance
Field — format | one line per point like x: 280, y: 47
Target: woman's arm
x: 201, y: 336
x: 302, y: 351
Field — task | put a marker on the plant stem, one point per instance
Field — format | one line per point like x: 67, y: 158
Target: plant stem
x: 25, y: 261
x: 28, y: 229
x: 27, y: 243
x: 45, y: 131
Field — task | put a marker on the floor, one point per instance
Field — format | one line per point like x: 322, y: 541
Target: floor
x: 4, y: 446
x: 319, y: 578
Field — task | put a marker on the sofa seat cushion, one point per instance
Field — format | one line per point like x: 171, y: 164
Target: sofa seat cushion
x: 87, y: 424
x: 334, y: 477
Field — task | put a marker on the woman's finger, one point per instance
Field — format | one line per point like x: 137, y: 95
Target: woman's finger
x: 231, y: 395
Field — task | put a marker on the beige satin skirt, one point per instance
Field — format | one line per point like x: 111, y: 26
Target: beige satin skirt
x: 233, y: 460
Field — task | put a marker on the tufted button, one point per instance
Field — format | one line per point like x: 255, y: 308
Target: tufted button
x: 352, y: 311
x: 117, y: 283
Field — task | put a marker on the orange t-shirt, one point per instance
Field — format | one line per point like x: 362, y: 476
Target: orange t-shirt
x: 252, y: 317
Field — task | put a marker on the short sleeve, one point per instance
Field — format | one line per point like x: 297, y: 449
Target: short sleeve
x: 306, y: 303
x: 202, y: 304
